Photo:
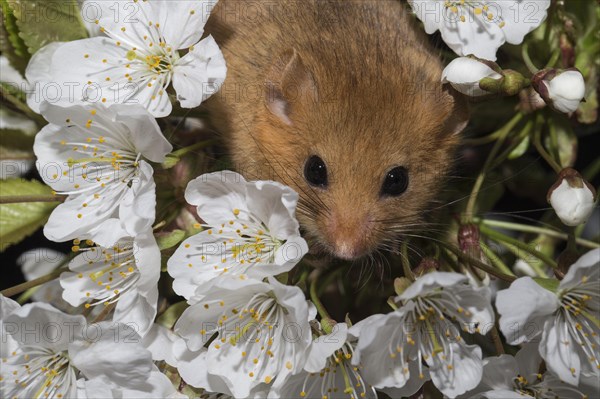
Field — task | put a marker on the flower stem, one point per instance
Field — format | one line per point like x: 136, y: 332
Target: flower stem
x: 502, y: 238
x: 537, y: 142
x: 17, y: 289
x: 495, y: 259
x: 197, y: 146
x: 503, y: 133
x: 18, y: 199
x: 408, y: 273
x: 516, y: 142
x: 317, y: 302
x: 538, y: 230
x: 478, y: 264
x: 530, y: 65
x: 497, y: 341
x: 24, y: 297
x: 553, y: 59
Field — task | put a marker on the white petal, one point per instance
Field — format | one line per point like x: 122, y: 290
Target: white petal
x: 479, y: 38
x: 521, y: 17
x: 503, y: 394
x: 113, y: 353
x: 432, y: 281
x: 161, y: 341
x: 143, y: 131
x: 137, y: 207
x: 523, y: 307
x: 325, y: 346
x: 199, y: 74
x: 147, y: 259
x: 60, y: 328
x: 428, y: 11
x: 557, y: 347
x: 38, y: 74
x: 64, y: 223
x: 192, y: 367
x: 182, y: 21
x: 136, y: 310
x: 586, y: 267
x: 528, y: 359
x: 216, y: 195
x: 157, y: 386
x: 94, y: 389
x: 466, y: 374
x: 464, y: 74
x: 113, y: 16
x: 379, y: 368
x: 9, y: 344
x: 274, y: 204
x: 499, y: 372
x: 75, y: 64
x: 38, y: 262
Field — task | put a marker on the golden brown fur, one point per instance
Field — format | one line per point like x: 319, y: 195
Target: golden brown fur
x: 353, y: 82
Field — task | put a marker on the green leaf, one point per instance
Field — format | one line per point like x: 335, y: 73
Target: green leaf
x: 11, y: 45
x: 16, y: 139
x: 41, y: 22
x: 171, y: 315
x: 169, y: 240
x: 20, y: 220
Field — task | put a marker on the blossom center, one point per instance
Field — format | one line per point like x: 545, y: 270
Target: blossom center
x: 112, y: 272
x: 45, y: 372
x: 537, y: 388
x: 463, y: 11
x: 578, y: 314
x: 257, y: 329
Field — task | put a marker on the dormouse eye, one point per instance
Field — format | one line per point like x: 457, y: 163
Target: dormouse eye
x: 396, y: 182
x: 315, y: 172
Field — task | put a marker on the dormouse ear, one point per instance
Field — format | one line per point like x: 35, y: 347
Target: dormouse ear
x: 288, y: 82
x: 459, y: 117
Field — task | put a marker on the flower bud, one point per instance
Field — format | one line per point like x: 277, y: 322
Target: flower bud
x: 562, y: 90
x: 464, y: 74
x: 572, y: 197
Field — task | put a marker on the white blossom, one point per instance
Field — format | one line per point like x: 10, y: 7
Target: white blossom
x: 422, y: 339
x: 98, y: 157
x: 56, y: 354
x: 250, y: 231
x: 126, y: 273
x: 138, y: 57
x: 480, y: 27
x: 508, y: 377
x: 328, y: 371
x: 464, y: 74
x: 564, y: 321
x: 261, y: 328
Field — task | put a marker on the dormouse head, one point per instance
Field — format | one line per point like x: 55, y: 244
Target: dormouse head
x: 365, y: 146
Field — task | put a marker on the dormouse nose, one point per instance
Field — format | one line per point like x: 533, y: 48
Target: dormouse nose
x: 348, y: 233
